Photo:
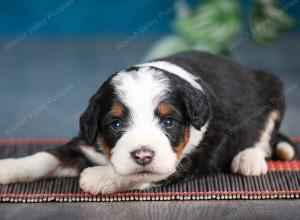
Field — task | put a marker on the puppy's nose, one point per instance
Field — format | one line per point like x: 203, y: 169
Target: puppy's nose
x: 142, y: 156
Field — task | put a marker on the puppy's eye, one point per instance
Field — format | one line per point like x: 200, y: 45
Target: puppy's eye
x: 167, y: 122
x: 117, y: 125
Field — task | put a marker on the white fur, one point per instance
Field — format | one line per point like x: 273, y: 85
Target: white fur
x: 265, y: 138
x: 104, y: 179
x: 62, y: 172
x: 141, y: 92
x: 196, y: 136
x: 31, y: 168
x: 252, y: 161
x: 176, y: 70
x: 93, y: 156
x: 164, y: 161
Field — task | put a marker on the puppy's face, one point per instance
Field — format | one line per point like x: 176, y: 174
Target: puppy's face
x: 142, y: 118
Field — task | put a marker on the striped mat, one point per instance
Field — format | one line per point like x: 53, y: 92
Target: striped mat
x: 281, y: 182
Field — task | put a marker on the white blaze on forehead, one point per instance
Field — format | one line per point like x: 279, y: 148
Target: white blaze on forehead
x: 141, y: 91
x: 176, y: 70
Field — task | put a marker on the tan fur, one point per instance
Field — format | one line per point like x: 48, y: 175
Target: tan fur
x: 106, y: 149
x: 185, y: 139
x: 117, y: 111
x: 284, y: 151
x: 164, y: 109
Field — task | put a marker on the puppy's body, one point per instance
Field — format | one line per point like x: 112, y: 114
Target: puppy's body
x: 241, y: 99
x: 161, y: 121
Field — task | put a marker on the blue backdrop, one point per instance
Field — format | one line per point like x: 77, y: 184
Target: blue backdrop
x: 69, y: 17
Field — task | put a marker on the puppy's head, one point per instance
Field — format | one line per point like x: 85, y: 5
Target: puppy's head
x: 144, y: 119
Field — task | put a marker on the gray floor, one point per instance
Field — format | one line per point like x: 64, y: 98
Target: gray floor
x: 45, y: 84
x: 188, y: 210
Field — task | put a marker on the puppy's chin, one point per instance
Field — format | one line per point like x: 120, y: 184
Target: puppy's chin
x: 146, y: 176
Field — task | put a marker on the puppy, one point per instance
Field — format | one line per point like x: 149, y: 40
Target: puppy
x: 162, y: 121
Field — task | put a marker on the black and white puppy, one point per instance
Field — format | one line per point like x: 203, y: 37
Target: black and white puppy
x: 164, y: 120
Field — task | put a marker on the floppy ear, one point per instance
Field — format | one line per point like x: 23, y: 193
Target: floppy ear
x: 89, y: 122
x: 197, y: 107
x: 90, y: 119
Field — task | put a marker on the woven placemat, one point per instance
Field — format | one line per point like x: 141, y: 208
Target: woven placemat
x: 281, y: 182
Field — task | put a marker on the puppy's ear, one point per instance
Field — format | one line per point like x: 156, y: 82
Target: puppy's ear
x: 197, y: 107
x: 89, y: 121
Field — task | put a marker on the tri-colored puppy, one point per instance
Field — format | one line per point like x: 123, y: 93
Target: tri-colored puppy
x: 164, y: 120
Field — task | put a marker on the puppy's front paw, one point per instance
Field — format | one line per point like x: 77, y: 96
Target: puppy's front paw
x: 250, y: 162
x: 8, y: 171
x: 100, y: 179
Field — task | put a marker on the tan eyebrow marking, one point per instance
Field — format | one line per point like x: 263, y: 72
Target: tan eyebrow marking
x: 164, y: 109
x: 117, y: 111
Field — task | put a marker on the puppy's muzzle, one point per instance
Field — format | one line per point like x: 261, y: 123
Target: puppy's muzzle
x: 142, y: 156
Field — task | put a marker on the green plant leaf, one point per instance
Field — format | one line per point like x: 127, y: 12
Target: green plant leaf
x: 214, y: 22
x: 269, y: 21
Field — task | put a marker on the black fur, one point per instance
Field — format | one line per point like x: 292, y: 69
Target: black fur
x: 240, y: 100
x: 71, y: 156
x: 195, y: 103
x: 110, y: 135
x: 99, y: 104
x: 176, y: 133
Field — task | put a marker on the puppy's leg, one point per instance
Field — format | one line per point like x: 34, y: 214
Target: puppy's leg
x: 30, y: 168
x: 103, y: 179
x: 67, y: 160
x: 252, y: 161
